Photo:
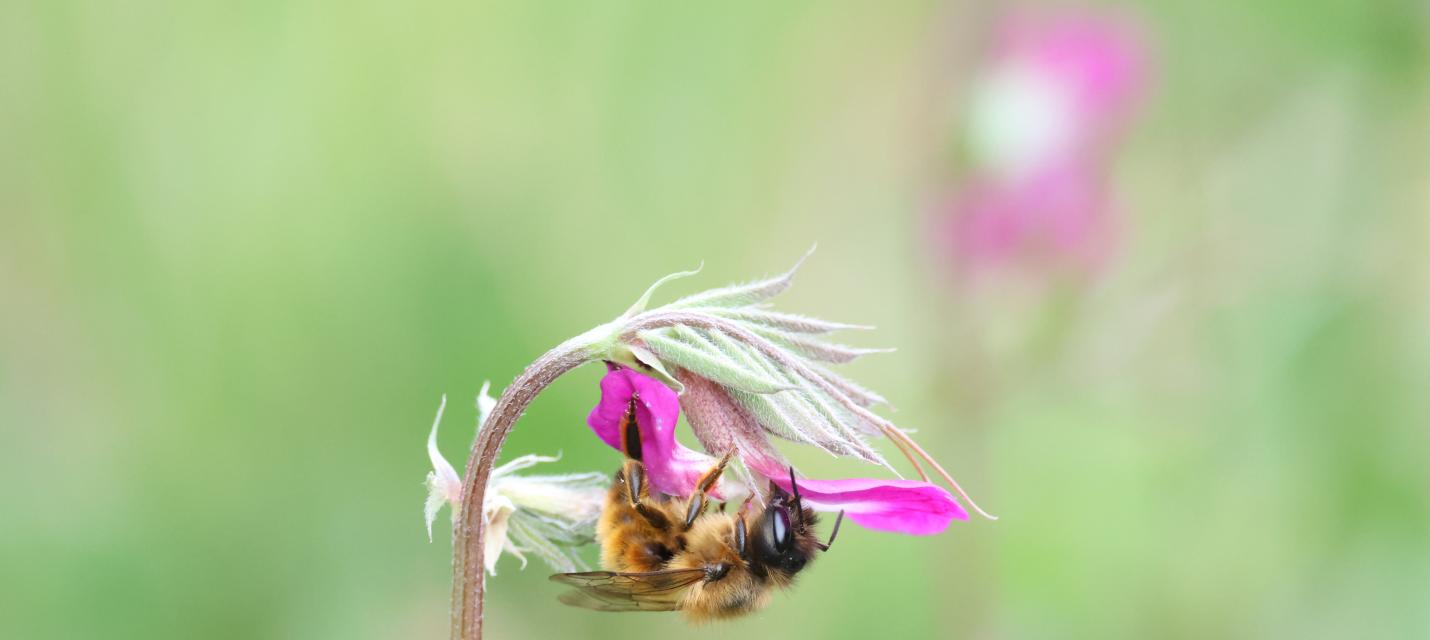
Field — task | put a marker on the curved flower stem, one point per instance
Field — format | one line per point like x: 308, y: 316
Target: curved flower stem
x: 469, y: 529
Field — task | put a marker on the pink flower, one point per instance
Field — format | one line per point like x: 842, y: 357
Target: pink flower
x: 1046, y: 111
x: 634, y: 406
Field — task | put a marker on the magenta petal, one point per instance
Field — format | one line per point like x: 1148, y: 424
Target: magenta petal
x: 605, y: 418
x: 673, y: 468
x: 900, y: 506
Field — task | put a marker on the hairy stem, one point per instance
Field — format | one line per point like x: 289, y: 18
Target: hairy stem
x: 469, y: 529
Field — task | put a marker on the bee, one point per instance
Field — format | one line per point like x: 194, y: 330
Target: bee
x: 664, y: 554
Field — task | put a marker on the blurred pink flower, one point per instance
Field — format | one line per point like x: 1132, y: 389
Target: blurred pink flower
x: 637, y: 415
x: 1061, y: 211
x: 1047, y: 109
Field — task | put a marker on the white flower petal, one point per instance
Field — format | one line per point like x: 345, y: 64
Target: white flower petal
x: 485, y: 404
x: 550, y: 516
x: 516, y: 551
x: 435, y: 500
x: 522, y: 462
x: 496, y: 512
x: 573, y: 497
x: 443, y: 483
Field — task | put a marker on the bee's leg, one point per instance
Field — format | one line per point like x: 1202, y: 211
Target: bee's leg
x: 637, y: 494
x: 707, y: 482
x: 740, y: 535
x: 740, y: 531
x: 745, y: 506
x: 824, y: 546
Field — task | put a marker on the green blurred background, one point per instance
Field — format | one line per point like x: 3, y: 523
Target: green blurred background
x: 245, y: 247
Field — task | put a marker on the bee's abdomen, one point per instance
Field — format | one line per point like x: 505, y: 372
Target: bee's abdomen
x: 731, y: 596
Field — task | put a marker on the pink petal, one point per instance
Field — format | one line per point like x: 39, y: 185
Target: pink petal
x: 673, y: 468
x: 900, y: 506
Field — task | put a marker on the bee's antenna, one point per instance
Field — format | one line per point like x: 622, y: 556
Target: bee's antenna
x: 832, y: 534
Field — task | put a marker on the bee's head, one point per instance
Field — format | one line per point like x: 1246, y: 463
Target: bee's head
x: 783, y: 541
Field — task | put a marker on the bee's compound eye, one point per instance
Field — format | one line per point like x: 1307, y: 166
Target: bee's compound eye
x: 794, y: 563
x: 780, y: 529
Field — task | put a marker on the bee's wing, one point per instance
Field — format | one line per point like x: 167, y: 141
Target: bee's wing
x: 610, y: 591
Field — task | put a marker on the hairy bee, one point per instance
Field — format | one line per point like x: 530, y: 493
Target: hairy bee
x: 664, y: 554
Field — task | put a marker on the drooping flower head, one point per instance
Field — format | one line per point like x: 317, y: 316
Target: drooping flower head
x: 747, y: 374
x: 744, y: 374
